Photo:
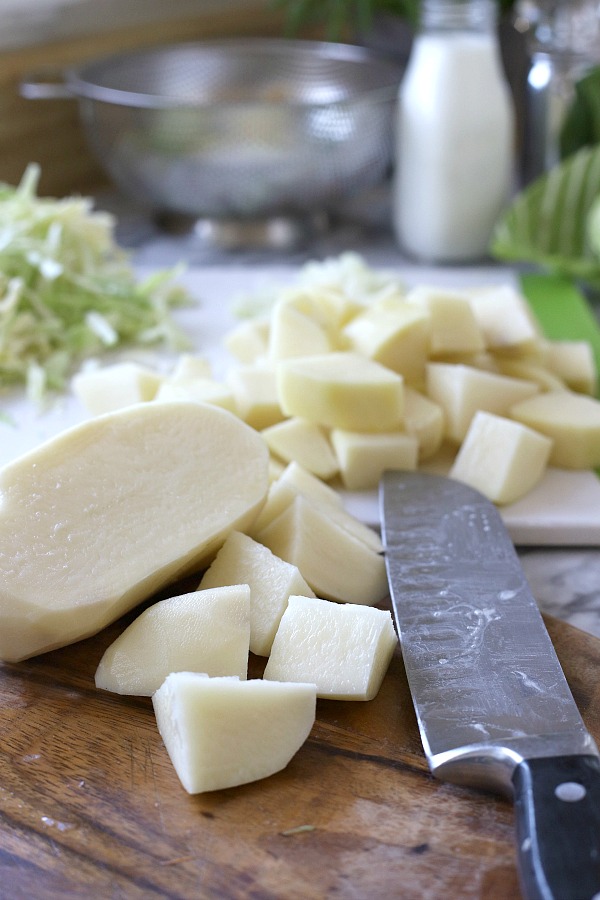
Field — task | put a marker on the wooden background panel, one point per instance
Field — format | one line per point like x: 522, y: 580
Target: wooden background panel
x: 48, y: 132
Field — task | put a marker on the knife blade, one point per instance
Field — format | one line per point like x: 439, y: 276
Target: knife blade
x: 493, y: 705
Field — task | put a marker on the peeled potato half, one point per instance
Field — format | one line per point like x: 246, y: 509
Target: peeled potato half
x: 107, y: 513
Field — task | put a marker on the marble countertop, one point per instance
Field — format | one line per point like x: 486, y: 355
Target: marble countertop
x: 565, y: 581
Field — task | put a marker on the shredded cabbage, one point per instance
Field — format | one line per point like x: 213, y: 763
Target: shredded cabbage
x: 68, y: 292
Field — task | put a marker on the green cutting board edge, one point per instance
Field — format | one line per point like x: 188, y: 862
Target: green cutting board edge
x: 562, y: 310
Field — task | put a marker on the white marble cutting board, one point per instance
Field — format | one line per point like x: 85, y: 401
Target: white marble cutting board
x: 563, y: 510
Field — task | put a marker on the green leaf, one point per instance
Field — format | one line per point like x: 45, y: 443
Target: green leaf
x: 547, y: 223
x: 581, y: 126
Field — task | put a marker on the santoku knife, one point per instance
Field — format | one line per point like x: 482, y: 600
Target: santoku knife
x: 493, y: 705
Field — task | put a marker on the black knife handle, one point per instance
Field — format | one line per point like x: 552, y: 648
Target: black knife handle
x: 557, y: 805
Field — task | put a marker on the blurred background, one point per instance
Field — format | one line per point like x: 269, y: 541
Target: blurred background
x: 42, y: 35
x: 547, y: 46
x: 38, y: 35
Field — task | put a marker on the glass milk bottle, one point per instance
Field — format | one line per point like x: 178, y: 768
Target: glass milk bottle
x: 455, y: 137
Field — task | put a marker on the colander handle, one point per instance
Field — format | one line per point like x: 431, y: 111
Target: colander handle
x: 48, y: 84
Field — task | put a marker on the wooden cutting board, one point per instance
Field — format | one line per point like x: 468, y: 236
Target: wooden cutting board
x: 90, y: 805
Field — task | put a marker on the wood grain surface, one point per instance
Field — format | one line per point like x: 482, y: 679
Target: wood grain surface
x: 90, y: 805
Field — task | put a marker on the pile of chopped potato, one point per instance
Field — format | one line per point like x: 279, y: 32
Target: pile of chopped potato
x: 105, y: 514
x: 349, y: 382
x: 191, y: 653
x: 341, y: 380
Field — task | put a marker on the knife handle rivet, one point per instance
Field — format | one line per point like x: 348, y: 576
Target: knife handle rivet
x: 570, y: 791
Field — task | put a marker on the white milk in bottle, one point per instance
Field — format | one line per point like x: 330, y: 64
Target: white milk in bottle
x: 455, y: 134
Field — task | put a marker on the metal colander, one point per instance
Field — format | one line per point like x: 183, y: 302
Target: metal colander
x: 237, y: 129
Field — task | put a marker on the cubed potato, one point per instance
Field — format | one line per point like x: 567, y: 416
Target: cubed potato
x: 501, y: 458
x: 309, y: 485
x: 248, y: 341
x: 305, y: 443
x: 341, y: 390
x: 222, y: 732
x: 423, y: 419
x: 345, y: 650
x: 198, y: 390
x: 203, y: 631
x: 329, y: 306
x: 276, y: 467
x: 244, y: 561
x: 571, y: 420
x: 482, y: 360
x: 295, y: 334
x: 573, y: 362
x: 461, y: 391
x: 306, y: 536
x: 189, y: 367
x: 110, y: 511
x: 397, y: 336
x: 114, y: 387
x: 531, y: 371
x: 282, y: 493
x: 339, y: 308
x: 505, y: 318
x: 255, y: 393
x: 453, y: 326
x: 279, y: 497
x: 364, y: 457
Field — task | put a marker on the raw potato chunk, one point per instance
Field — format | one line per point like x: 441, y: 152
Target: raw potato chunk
x: 500, y: 458
x: 341, y: 390
x: 395, y: 335
x: 461, y: 391
x: 189, y: 367
x: 482, y: 360
x: 334, y: 563
x: 531, y: 371
x: 296, y: 480
x: 108, y: 512
x: 242, y: 560
x: 205, y: 631
x: 283, y: 492
x: 303, y: 442
x: 222, y: 732
x: 255, y: 393
x: 329, y: 306
x: 115, y: 387
x: 276, y: 467
x: 294, y: 334
x: 453, y: 326
x: 364, y: 457
x: 309, y: 485
x: 198, y: 390
x: 345, y: 650
x: 248, y: 341
x: 573, y: 423
x: 573, y: 362
x: 505, y: 319
x: 423, y: 419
